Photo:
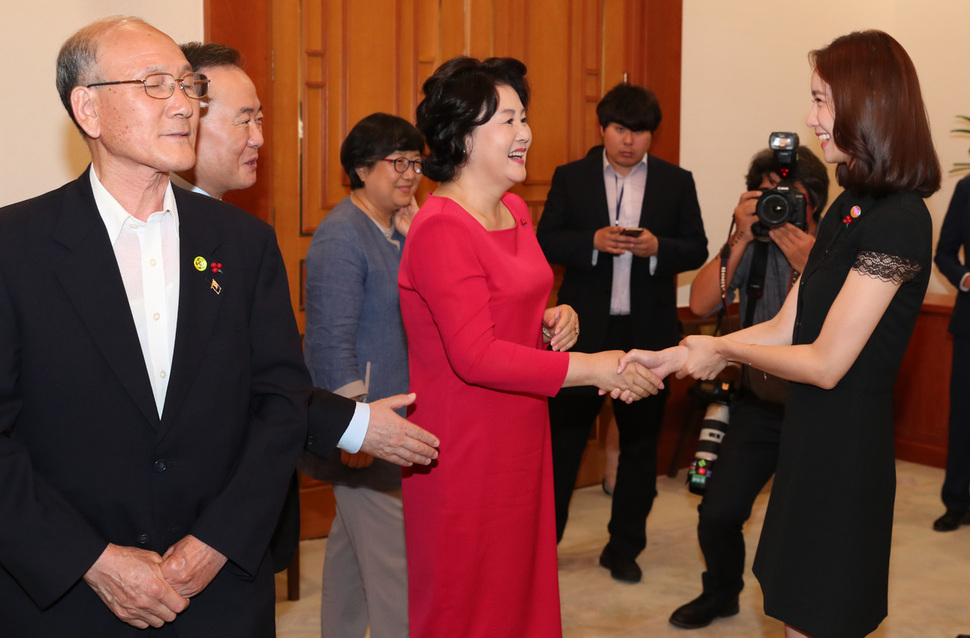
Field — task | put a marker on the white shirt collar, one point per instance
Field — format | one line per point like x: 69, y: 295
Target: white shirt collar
x: 114, y: 214
x: 186, y: 184
x: 609, y: 167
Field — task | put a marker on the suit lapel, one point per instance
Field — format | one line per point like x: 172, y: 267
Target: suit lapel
x: 198, y: 300
x: 90, y: 277
x: 597, y: 190
x: 651, y: 192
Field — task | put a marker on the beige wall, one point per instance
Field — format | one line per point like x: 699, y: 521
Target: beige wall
x: 40, y: 148
x: 746, y: 73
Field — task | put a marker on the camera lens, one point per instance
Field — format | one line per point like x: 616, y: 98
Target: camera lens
x: 773, y: 209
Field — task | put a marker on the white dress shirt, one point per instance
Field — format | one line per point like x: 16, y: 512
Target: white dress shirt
x: 624, y: 199
x: 148, y: 258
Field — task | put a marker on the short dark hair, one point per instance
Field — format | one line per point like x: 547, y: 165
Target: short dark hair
x: 78, y: 57
x: 809, y: 171
x: 460, y: 95
x: 630, y: 106
x: 880, y: 119
x: 374, y: 138
x: 206, y: 55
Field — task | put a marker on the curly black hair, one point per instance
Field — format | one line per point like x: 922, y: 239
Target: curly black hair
x: 460, y: 95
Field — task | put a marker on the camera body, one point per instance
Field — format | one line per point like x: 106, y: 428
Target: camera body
x: 784, y: 203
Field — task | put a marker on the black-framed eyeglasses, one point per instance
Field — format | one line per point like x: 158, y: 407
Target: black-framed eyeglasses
x: 161, y: 86
x: 402, y: 164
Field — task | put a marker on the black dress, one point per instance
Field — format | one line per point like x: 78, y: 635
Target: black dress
x: 823, y: 558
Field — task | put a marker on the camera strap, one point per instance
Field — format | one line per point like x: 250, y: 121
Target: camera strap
x: 725, y: 256
x: 756, y: 279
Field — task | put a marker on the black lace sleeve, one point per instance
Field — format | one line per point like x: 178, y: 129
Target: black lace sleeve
x: 897, y: 270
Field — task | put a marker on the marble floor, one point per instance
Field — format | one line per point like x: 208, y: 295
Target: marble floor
x: 929, y: 591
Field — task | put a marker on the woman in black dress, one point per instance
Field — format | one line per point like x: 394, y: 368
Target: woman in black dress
x: 823, y: 558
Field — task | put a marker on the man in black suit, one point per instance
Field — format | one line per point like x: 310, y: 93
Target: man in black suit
x: 623, y: 223
x: 153, y: 397
x: 954, y: 234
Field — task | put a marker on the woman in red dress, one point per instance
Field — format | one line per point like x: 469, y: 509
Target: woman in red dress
x: 480, y: 521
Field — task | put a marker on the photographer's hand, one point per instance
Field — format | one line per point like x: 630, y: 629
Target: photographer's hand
x: 745, y: 217
x: 795, y: 243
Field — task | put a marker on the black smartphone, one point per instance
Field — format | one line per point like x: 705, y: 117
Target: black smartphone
x: 632, y: 232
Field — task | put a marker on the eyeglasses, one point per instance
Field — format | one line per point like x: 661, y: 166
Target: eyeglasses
x: 161, y: 86
x: 402, y: 164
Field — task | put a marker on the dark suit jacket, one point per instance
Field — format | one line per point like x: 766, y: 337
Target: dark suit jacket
x: 576, y: 208
x: 955, y: 233
x: 86, y: 459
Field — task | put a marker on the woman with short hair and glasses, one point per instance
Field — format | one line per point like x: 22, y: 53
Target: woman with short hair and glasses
x: 355, y: 346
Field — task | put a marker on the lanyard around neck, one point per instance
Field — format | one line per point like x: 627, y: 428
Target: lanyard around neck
x: 619, y: 197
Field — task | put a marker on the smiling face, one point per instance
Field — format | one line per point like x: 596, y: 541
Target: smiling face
x: 822, y: 119
x: 384, y: 188
x: 497, y: 149
x: 624, y: 148
x: 128, y: 131
x: 230, y: 132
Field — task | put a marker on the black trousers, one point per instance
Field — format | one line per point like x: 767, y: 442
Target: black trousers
x: 572, y: 413
x: 746, y: 460
x: 956, y: 484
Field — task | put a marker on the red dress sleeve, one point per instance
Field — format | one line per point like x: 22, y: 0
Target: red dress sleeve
x: 444, y: 267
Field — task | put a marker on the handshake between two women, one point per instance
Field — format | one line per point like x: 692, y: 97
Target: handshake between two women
x: 697, y: 356
x: 633, y: 375
x: 641, y: 372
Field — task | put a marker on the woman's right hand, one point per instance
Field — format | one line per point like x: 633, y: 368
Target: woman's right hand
x: 661, y: 363
x: 630, y: 384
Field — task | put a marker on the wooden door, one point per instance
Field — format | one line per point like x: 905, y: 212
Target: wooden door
x: 324, y: 64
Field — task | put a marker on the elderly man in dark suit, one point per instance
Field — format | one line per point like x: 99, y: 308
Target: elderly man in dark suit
x: 623, y: 223
x: 954, y: 235
x: 153, y: 397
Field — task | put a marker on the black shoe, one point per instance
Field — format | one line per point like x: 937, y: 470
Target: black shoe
x: 607, y: 488
x: 951, y: 521
x: 621, y: 568
x: 704, y: 609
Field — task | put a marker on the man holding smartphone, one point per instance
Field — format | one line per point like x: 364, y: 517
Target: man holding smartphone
x: 624, y: 224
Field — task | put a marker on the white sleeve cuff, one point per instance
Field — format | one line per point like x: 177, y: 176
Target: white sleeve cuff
x: 353, y: 436
x: 653, y: 265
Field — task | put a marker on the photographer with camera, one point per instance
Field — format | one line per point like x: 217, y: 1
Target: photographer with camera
x: 774, y: 230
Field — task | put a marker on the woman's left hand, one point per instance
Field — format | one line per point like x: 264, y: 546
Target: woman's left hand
x: 402, y: 217
x: 560, y: 327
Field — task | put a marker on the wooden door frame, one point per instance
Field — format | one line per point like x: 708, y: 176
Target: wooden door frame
x: 268, y: 33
